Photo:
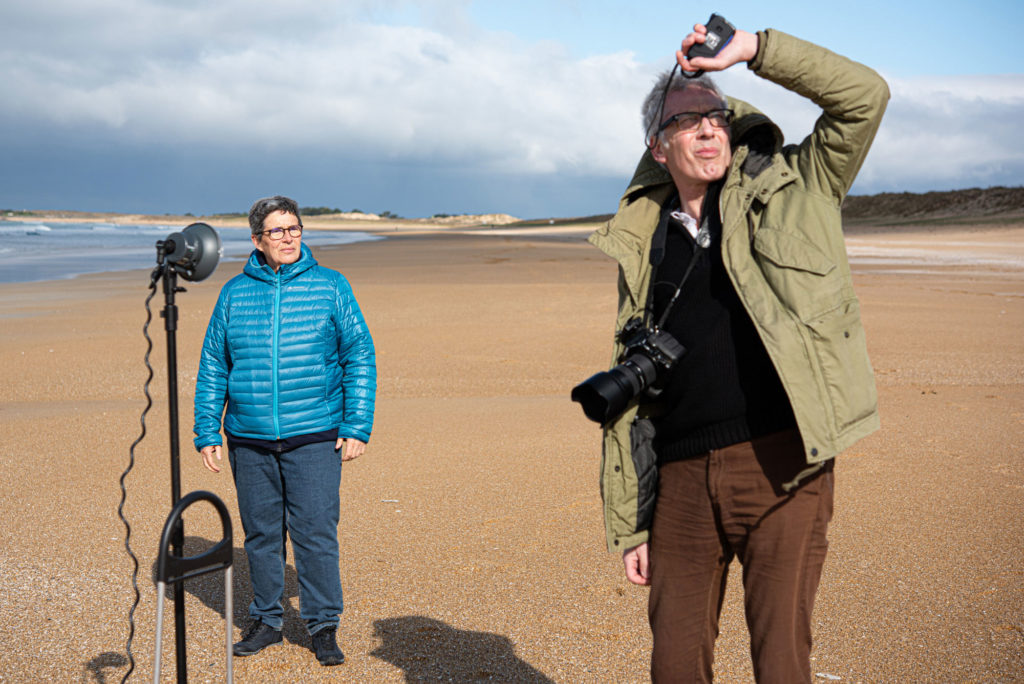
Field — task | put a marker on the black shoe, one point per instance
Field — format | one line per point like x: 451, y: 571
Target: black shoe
x: 326, y: 648
x: 256, y: 639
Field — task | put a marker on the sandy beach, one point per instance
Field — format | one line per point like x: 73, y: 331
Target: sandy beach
x: 471, y: 536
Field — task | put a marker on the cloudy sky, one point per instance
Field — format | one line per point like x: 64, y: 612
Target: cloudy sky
x: 526, y: 107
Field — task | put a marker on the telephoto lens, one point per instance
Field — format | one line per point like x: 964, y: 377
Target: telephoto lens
x: 605, y: 395
x: 649, y: 353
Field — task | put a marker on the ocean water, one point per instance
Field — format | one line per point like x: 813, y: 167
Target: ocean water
x: 31, y: 251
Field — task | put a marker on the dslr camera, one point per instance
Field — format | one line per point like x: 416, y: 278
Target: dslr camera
x: 649, y: 356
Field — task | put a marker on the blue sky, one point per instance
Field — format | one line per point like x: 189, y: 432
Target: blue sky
x: 450, y: 106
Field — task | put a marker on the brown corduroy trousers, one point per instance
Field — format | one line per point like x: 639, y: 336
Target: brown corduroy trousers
x: 730, y: 503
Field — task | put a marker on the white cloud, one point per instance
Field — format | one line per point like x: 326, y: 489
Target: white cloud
x: 937, y: 133
x: 352, y: 80
x: 950, y: 132
x: 347, y: 85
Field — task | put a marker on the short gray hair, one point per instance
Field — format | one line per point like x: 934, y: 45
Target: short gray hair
x: 654, y: 103
x: 262, y: 208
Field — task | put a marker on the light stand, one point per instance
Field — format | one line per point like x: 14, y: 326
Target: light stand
x: 170, y: 316
x: 194, y: 254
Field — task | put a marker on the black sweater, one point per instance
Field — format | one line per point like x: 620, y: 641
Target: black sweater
x: 725, y: 389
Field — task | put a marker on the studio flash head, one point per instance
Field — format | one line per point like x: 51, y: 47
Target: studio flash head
x: 194, y: 252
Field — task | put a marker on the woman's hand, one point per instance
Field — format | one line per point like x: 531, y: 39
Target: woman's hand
x: 209, y: 454
x: 350, y: 448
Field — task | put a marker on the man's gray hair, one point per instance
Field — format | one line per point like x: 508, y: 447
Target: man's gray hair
x: 654, y: 102
x: 262, y: 208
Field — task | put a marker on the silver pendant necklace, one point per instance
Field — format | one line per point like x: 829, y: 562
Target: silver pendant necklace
x: 703, y: 237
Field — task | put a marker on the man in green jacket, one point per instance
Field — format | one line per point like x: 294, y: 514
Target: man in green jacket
x: 732, y: 456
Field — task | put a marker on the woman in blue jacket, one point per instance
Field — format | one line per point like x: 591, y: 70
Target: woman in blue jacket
x: 288, y: 353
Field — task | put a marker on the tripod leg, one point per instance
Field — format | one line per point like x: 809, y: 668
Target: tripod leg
x: 160, y: 588
x: 229, y: 616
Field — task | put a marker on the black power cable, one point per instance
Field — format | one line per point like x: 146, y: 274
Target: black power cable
x: 131, y: 463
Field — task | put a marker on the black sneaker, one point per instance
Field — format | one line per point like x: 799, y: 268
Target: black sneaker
x: 256, y: 639
x: 326, y: 648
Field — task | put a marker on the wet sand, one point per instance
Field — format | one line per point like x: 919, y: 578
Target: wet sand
x: 471, y: 536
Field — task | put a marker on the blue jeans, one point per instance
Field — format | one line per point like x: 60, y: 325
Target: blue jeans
x: 297, y: 490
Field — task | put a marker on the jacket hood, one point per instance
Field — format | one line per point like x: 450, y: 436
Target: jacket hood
x: 751, y: 126
x: 257, y: 266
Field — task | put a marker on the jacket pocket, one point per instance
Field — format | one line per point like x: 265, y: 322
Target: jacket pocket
x: 841, y: 352
x: 641, y: 437
x: 803, y: 277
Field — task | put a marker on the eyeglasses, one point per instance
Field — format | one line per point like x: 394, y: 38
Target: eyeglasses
x: 690, y: 121
x: 278, y: 233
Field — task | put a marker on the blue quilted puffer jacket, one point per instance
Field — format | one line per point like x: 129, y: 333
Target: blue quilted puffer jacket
x: 289, y: 353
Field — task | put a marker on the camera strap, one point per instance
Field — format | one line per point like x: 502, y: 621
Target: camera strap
x: 701, y: 242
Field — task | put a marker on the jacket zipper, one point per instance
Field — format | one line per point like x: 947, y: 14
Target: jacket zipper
x: 274, y: 350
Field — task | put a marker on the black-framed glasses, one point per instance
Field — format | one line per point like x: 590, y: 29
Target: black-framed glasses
x: 278, y: 233
x: 690, y: 121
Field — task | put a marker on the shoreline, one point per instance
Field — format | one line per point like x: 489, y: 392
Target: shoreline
x: 993, y: 248
x: 317, y: 221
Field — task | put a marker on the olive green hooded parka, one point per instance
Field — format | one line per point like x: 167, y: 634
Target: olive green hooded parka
x: 782, y: 245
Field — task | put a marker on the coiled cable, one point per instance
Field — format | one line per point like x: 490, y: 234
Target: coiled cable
x: 124, y: 475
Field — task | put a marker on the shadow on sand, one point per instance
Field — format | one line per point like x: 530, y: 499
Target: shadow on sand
x: 209, y: 589
x: 424, y: 648
x: 94, y: 669
x: 430, y: 650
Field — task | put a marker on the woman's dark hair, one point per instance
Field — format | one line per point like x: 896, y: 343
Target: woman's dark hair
x: 262, y: 208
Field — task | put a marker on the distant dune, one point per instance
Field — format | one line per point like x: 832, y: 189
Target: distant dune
x: 990, y: 206
x: 971, y: 205
x: 997, y: 205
